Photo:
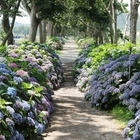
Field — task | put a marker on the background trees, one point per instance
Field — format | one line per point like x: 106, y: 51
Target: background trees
x: 89, y: 18
x: 9, y: 9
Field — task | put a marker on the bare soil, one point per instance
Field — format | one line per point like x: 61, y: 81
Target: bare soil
x: 73, y: 118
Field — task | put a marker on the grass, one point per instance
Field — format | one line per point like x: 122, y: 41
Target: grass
x: 122, y: 115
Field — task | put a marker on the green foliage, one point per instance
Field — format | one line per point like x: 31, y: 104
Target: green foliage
x: 2, y: 50
x: 83, y: 42
x: 108, y: 51
x: 122, y: 114
x: 55, y: 42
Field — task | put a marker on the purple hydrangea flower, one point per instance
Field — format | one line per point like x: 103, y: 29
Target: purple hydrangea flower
x: 2, y: 137
x: 3, y: 78
x: 126, y: 132
x: 13, y: 65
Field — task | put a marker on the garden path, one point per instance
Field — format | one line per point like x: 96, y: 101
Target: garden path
x: 73, y: 118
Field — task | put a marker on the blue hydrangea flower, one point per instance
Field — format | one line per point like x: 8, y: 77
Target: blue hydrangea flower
x: 3, y: 65
x: 10, y: 122
x: 1, y: 115
x: 26, y: 106
x: 136, y: 134
x: 10, y: 110
x: 18, y: 118
x: 131, y: 123
x: 18, y: 79
x: 125, y: 95
x: 40, y: 128
x: 31, y: 115
x: 30, y: 121
x: 138, y: 105
x: 13, y: 138
x: 12, y: 92
x: 17, y: 105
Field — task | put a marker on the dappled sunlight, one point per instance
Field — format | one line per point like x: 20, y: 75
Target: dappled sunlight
x: 73, y: 118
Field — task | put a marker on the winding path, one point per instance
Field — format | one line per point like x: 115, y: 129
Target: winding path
x: 73, y: 118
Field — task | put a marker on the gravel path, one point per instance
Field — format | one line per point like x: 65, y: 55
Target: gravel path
x: 73, y: 118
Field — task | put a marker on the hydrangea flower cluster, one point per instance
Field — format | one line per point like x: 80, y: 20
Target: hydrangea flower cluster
x: 19, y: 109
x: 38, y: 60
x: 26, y: 99
x: 92, y: 57
x: 111, y: 83
x: 115, y: 79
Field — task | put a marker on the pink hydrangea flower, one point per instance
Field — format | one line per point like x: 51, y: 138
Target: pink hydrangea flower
x: 14, y: 55
x: 13, y: 65
x: 22, y: 73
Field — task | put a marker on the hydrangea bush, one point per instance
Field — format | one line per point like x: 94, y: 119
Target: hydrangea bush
x: 112, y: 77
x: 40, y: 61
x: 91, y: 57
x: 26, y: 84
x: 25, y: 106
x: 116, y: 82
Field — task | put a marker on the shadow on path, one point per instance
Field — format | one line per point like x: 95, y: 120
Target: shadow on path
x: 73, y: 118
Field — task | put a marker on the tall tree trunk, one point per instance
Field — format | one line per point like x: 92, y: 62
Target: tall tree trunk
x: 126, y: 26
x: 113, y: 22
x: 34, y: 25
x: 6, y: 28
x: 49, y: 28
x: 62, y: 30
x: 54, y: 30
x: 133, y: 20
x: 42, y: 31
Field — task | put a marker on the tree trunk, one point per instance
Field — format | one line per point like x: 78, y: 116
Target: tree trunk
x: 34, y: 23
x: 49, y: 28
x: 113, y: 22
x: 42, y: 31
x: 54, y: 30
x: 6, y: 24
x: 62, y: 30
x: 133, y: 20
x: 125, y: 28
x: 6, y: 28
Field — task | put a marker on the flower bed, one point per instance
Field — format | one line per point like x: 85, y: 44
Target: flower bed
x: 26, y: 84
x: 114, y: 79
x: 91, y: 57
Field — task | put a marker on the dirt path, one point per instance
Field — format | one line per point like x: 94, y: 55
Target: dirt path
x: 73, y: 118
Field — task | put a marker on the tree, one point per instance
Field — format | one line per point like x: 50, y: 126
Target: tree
x: 134, y: 4
x: 39, y: 10
x: 9, y: 9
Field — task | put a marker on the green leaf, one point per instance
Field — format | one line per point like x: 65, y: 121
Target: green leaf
x: 27, y: 85
x: 4, y: 124
x: 38, y: 89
